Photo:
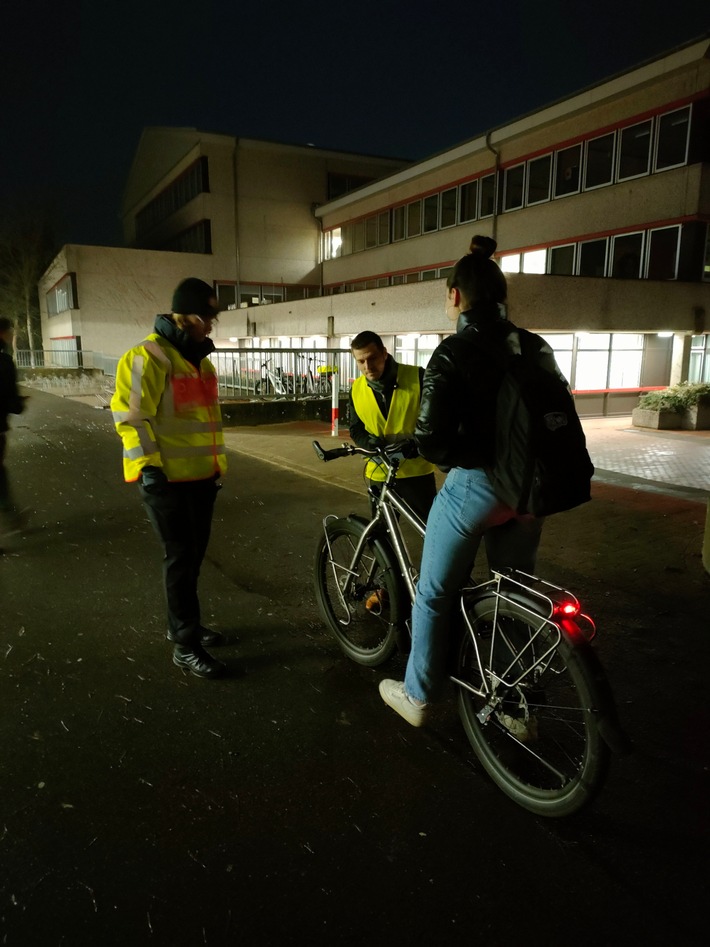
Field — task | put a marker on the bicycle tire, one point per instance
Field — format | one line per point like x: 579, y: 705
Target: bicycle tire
x: 540, y: 744
x: 368, y: 636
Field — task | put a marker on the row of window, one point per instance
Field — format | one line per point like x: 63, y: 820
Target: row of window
x: 193, y: 181
x: 63, y: 296
x: 655, y: 144
x: 699, y: 368
x: 196, y: 239
x: 242, y: 295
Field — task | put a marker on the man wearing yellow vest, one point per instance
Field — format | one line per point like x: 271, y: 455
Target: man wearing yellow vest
x: 167, y: 413
x: 384, y: 406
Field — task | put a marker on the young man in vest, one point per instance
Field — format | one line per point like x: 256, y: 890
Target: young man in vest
x: 167, y: 413
x: 384, y: 406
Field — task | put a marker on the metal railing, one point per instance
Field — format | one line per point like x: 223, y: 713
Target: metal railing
x: 263, y: 373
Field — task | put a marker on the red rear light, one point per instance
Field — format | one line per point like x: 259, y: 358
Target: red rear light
x: 567, y: 609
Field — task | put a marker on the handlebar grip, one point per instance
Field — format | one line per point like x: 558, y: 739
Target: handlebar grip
x: 326, y: 455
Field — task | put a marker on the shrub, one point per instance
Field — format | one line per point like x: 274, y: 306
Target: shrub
x: 676, y: 398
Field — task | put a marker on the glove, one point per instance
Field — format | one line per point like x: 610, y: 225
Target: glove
x: 403, y: 450
x: 153, y: 480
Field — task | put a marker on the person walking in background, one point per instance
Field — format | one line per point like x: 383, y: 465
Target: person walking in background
x: 384, y: 404
x: 167, y: 413
x: 11, y: 402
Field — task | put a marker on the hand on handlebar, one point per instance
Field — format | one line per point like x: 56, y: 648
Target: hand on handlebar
x: 402, y: 450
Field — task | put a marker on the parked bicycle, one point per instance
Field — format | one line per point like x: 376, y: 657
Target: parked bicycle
x: 273, y: 381
x: 532, y: 696
x: 318, y: 383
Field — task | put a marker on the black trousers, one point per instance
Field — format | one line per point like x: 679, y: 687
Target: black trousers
x: 418, y: 492
x: 6, y: 504
x: 181, y: 514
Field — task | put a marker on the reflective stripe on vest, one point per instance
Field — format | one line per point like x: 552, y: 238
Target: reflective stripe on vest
x: 400, y: 421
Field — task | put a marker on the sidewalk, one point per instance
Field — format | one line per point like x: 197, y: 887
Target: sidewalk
x: 671, y: 462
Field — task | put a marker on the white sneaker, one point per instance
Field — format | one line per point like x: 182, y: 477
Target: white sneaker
x: 396, y: 697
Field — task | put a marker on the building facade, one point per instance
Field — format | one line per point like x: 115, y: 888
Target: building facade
x: 599, y: 203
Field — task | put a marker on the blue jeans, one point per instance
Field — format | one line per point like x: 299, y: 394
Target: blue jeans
x: 464, y: 511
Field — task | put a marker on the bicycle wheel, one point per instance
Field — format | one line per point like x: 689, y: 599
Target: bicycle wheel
x: 363, y: 614
x: 534, y: 733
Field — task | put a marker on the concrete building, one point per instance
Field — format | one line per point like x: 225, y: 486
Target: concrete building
x: 599, y: 203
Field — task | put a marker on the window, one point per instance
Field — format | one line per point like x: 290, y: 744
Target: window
x: 448, y: 208
x: 592, y: 258
x: 510, y: 263
x: 397, y: 280
x: 193, y: 181
x: 513, y: 182
x: 333, y: 241
x: 534, y: 261
x: 625, y: 360
x: 599, y: 164
x: 428, y: 274
x: 371, y: 233
x: 197, y: 239
x: 567, y: 170
x: 663, y: 253
x: 414, y: 219
x: 227, y: 295
x: 468, y: 200
x: 63, y: 296
x: 347, y: 235
x: 562, y: 260
x: 635, y: 151
x: 383, y: 227
x: 411, y: 278
x: 358, y: 229
x: 431, y: 213
x: 445, y: 270
x: 592, y: 362
x: 539, y: 172
x: 626, y: 255
x: 672, y: 147
x: 562, y: 344
x: 398, y: 223
x: 699, y: 367
x: 488, y: 196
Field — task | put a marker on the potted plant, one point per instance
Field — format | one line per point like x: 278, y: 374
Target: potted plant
x: 685, y: 405
x: 657, y: 409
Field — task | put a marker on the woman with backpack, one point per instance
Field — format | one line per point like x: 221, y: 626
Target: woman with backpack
x: 456, y: 430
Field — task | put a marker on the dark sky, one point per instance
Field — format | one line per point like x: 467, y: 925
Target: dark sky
x: 79, y: 80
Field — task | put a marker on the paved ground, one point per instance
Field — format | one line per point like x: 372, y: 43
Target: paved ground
x: 286, y: 804
x: 670, y: 462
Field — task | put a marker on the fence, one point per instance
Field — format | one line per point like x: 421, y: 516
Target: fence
x: 265, y: 373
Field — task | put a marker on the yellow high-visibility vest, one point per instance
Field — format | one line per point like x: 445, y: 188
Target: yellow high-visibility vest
x: 399, y: 423
x: 167, y: 413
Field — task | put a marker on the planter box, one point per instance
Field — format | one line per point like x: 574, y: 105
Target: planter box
x: 663, y: 420
x: 697, y: 417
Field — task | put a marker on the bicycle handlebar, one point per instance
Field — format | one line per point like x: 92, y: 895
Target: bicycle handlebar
x: 388, y: 453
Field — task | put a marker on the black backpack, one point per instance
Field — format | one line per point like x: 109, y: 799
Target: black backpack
x: 541, y: 461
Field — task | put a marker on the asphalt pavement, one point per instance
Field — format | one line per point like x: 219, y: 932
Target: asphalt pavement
x: 286, y: 804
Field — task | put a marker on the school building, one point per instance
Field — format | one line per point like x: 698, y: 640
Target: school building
x: 599, y: 203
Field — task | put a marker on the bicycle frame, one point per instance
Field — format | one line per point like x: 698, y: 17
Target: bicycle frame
x: 539, y: 605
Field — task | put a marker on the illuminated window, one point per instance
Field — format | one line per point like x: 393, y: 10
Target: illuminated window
x: 534, y: 261
x: 63, y: 295
x: 510, y: 263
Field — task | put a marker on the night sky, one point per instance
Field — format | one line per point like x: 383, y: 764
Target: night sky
x: 79, y: 80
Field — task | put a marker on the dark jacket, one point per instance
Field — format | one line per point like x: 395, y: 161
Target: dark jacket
x: 456, y: 426
x: 10, y: 400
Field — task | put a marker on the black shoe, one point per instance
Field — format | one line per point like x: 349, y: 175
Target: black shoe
x: 195, y: 659
x: 208, y: 638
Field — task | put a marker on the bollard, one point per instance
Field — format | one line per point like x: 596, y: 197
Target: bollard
x: 706, y: 541
x: 334, y: 404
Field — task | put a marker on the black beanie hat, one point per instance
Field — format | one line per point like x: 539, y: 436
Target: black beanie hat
x: 193, y: 297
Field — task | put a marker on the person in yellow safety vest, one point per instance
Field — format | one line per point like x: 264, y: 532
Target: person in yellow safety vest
x: 384, y: 406
x: 167, y: 413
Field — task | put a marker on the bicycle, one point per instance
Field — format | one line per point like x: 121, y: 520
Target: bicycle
x: 310, y: 384
x: 273, y: 379
x: 532, y: 696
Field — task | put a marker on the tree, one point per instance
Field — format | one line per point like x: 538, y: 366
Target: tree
x: 27, y: 246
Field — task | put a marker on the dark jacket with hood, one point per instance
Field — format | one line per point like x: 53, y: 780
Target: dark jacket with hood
x: 456, y: 425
